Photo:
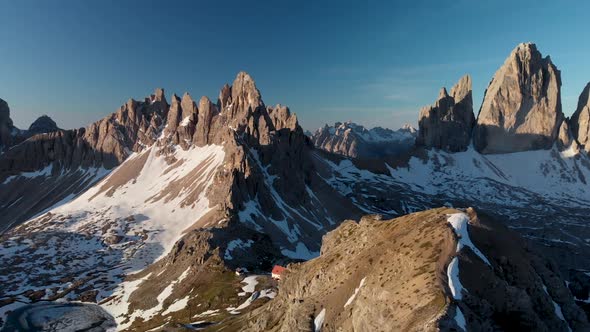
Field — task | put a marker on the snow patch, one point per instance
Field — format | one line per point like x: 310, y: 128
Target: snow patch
x: 185, y: 122
x: 319, y: 321
x: 460, y: 319
x: 237, y: 243
x: 459, y: 221
x: 353, y: 296
x: 453, y: 277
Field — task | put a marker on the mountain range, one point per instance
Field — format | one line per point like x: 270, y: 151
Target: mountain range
x: 468, y: 223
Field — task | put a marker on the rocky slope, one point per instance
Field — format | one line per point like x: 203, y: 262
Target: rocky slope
x: 355, y: 141
x: 521, y: 109
x: 48, y: 169
x: 448, y: 123
x: 160, y: 203
x: 441, y: 269
x: 232, y: 172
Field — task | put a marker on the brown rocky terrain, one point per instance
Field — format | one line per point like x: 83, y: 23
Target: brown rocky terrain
x: 149, y: 211
x: 257, y: 183
x: 393, y: 275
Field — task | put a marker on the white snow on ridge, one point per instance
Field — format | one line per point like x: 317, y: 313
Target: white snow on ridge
x: 137, y: 196
x: 353, y: 296
x: 459, y: 221
x: 453, y: 279
x: 460, y: 319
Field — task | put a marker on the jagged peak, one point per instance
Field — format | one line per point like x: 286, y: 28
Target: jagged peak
x: 159, y: 95
x: 244, y: 91
x: 443, y: 93
x: 584, y: 99
x: 462, y: 88
x: 186, y: 96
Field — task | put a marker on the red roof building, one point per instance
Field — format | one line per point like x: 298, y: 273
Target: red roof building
x: 277, y: 270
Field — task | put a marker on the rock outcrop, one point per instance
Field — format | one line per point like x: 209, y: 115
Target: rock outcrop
x: 6, y: 126
x: 10, y: 135
x: 105, y: 143
x: 43, y: 124
x: 448, y: 123
x: 521, y: 109
x: 565, y: 138
x: 352, y: 140
x: 580, y: 120
x: 415, y: 273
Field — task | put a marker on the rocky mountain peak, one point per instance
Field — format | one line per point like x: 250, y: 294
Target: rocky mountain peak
x: 448, y: 123
x: 354, y: 140
x: 443, y: 93
x: 244, y: 93
x: 224, y: 96
x: 43, y: 124
x: 461, y: 91
x: 521, y: 109
x: 159, y: 95
x: 580, y: 121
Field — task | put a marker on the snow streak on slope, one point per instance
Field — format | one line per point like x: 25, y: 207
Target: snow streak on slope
x: 124, y: 223
x: 459, y: 221
x: 547, y: 173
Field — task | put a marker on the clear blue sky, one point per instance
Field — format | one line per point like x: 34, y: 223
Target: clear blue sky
x: 375, y: 63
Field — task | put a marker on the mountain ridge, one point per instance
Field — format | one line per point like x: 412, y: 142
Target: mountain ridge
x: 166, y: 198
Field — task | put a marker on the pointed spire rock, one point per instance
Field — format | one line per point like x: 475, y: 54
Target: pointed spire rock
x: 189, y: 108
x: 580, y: 121
x: 565, y: 139
x: 174, y: 114
x: 462, y: 90
x: 521, y: 109
x: 224, y: 97
x: 448, y: 123
x: 207, y: 110
x: 245, y: 96
x: 159, y: 95
x: 443, y: 93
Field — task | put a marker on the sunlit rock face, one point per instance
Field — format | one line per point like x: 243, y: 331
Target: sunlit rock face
x: 521, y: 109
x: 580, y: 121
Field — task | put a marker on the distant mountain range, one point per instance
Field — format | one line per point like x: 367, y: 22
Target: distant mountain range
x: 156, y: 212
x: 353, y: 140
